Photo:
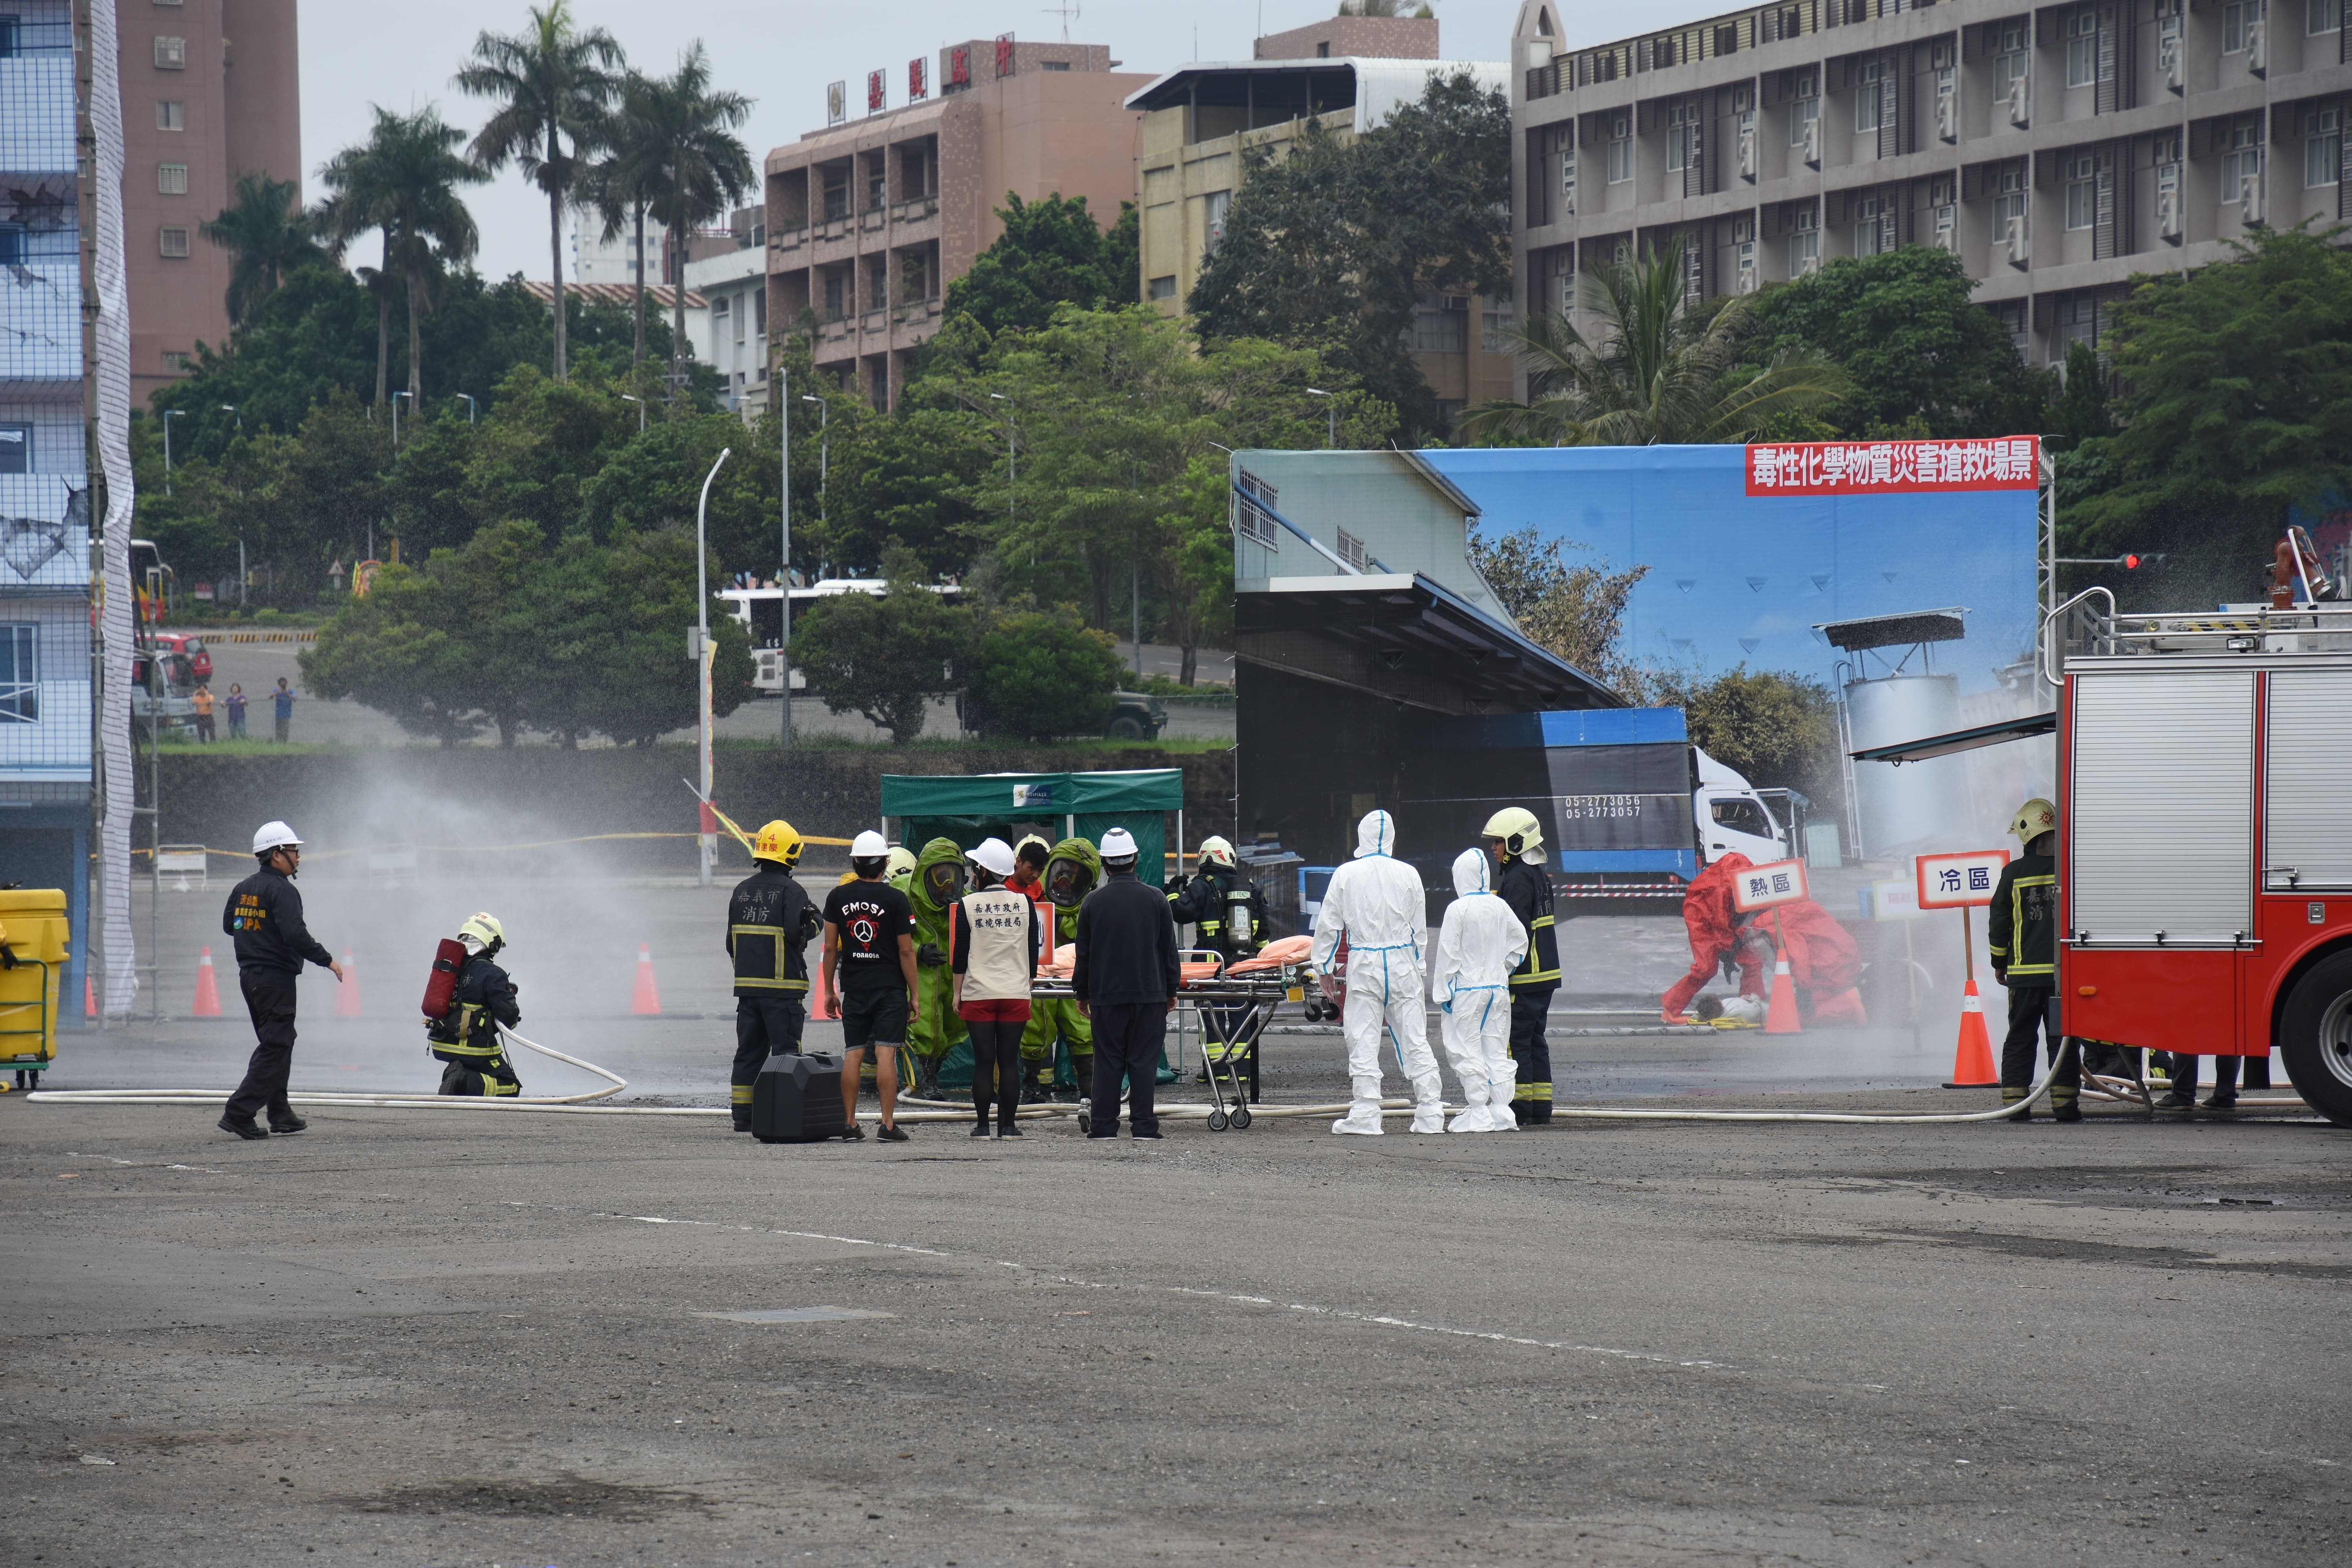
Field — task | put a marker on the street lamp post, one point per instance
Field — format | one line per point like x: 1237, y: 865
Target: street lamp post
x: 470, y: 405
x: 169, y: 414
x: 1332, y: 405
x: 395, y: 419
x: 709, y: 837
x: 823, y: 452
x: 641, y: 411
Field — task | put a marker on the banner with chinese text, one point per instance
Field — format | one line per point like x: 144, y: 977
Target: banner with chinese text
x: 1886, y: 467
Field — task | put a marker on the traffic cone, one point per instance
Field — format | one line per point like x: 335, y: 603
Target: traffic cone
x: 646, y: 1003
x: 1780, y: 1017
x: 1972, y: 1062
x: 347, y: 994
x: 820, y: 995
x: 207, y: 1003
x: 90, y: 996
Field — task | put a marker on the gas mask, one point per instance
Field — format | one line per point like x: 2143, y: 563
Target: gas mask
x: 1067, y: 881
x: 944, y: 882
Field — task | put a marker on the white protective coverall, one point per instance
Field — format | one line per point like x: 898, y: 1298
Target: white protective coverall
x: 1478, y: 946
x: 1376, y: 901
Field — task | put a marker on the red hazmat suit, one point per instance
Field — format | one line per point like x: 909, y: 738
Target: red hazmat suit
x: 1822, y: 958
x: 1714, y: 927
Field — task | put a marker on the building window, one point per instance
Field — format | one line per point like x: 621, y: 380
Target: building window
x: 175, y: 361
x: 1866, y: 77
x: 836, y: 194
x: 1053, y: 65
x: 174, y: 242
x: 2082, y: 48
x: 1804, y: 107
x: 1252, y: 523
x: 1495, y: 323
x: 2078, y: 322
x: 1871, y: 236
x: 2323, y: 147
x: 20, y: 674
x: 1621, y: 149
x: 2238, y: 24
x: 11, y: 42
x: 1352, y: 552
x: 2081, y: 191
x: 1805, y: 245
x: 1441, y: 324
x: 2012, y: 316
x: 2243, y: 158
x: 16, y: 449
x: 172, y: 179
x: 171, y: 54
x: 1164, y: 288
x: 11, y: 245
x: 2008, y: 66
x: 1682, y: 136
x: 1568, y: 182
x: 1220, y: 203
x: 171, y: 114
x: 2322, y: 17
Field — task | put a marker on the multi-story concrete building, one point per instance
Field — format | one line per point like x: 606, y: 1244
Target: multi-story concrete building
x: 868, y: 221
x: 727, y: 268
x: 2056, y: 150
x: 1200, y: 120
x: 211, y: 90
x: 46, y: 727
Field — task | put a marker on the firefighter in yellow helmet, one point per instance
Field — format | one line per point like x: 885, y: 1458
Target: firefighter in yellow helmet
x: 1515, y: 839
x: 468, y: 1040
x: 2022, y: 940
x: 770, y: 919
x: 1226, y: 914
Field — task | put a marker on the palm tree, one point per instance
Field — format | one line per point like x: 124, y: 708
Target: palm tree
x: 693, y: 166
x: 620, y: 187
x: 270, y: 237
x: 403, y: 181
x: 1656, y: 372
x: 551, y: 83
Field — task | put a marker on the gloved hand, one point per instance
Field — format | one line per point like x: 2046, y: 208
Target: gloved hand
x: 1729, y: 967
x: 1174, y: 884
x: 930, y: 955
x: 2000, y: 975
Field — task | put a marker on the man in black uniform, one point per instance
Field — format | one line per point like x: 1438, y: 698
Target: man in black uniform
x: 264, y: 917
x: 1512, y: 835
x: 476, y: 1057
x: 769, y: 922
x: 1228, y: 916
x: 1126, y: 977
x: 2022, y: 940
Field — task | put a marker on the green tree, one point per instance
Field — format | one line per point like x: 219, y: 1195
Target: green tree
x: 1921, y: 360
x: 1654, y: 370
x: 1778, y: 729
x: 552, y: 85
x: 1577, y: 612
x: 267, y: 235
x: 404, y: 181
x: 620, y: 187
x: 884, y: 658
x: 2081, y: 411
x: 1051, y: 253
x: 688, y: 161
x: 543, y: 445
x: 1040, y: 674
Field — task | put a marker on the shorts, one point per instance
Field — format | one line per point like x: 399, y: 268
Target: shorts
x: 875, y: 1018
x: 996, y: 1010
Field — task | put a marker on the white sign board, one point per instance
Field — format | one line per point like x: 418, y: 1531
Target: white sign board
x: 1895, y: 899
x: 1960, y: 882
x: 1768, y: 886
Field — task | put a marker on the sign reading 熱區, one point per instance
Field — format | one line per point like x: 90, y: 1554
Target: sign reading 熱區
x: 1960, y: 882
x: 1881, y: 467
x: 1767, y: 886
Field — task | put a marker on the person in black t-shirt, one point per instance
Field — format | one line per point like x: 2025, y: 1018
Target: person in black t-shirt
x: 869, y: 965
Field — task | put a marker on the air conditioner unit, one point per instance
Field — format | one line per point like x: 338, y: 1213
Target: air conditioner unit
x: 2168, y: 53
x: 2020, y: 109
x: 1947, y: 228
x: 1813, y: 141
x: 1567, y: 184
x: 2168, y: 215
x: 1743, y: 277
x: 1745, y: 147
x: 1809, y: 266
x: 2250, y: 199
x: 1947, y: 107
x: 2258, y: 48
x: 2015, y: 248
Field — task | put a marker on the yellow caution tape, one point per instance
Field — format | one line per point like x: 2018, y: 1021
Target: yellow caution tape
x: 476, y: 849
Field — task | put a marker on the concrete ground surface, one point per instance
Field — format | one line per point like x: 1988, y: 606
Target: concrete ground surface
x: 452, y: 1337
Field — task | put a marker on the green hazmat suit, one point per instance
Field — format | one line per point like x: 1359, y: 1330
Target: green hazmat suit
x: 1055, y: 1019
x: 935, y: 1030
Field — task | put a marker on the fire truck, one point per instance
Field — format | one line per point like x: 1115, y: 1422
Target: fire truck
x: 2205, y: 834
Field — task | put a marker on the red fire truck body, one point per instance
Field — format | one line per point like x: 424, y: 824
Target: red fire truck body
x: 2205, y: 840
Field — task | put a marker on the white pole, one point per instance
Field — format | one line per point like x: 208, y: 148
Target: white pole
x: 709, y: 841
x: 785, y: 567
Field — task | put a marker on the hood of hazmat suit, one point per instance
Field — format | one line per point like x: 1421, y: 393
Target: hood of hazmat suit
x: 1482, y: 940
x: 933, y: 888
x: 1375, y: 900
x: 1071, y: 871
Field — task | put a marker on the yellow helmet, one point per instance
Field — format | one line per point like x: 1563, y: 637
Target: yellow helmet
x: 485, y: 931
x: 1517, y: 827
x: 779, y: 841
x: 2034, y: 818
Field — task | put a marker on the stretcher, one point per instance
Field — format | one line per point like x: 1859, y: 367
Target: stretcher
x: 1254, y: 988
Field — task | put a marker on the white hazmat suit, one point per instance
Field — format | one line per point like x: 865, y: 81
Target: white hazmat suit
x: 1376, y: 901
x: 1477, y: 947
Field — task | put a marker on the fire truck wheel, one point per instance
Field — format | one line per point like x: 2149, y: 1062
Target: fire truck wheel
x: 2315, y: 1037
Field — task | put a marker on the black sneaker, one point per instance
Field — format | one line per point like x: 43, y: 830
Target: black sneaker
x: 286, y: 1125
x: 980, y: 1131
x: 1153, y: 1132
x: 2221, y: 1102
x: 2176, y: 1101
x: 1010, y: 1130
x: 853, y: 1133
x: 892, y: 1135
x: 245, y: 1130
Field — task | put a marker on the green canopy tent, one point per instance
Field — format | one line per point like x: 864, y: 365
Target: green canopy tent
x: 1055, y: 806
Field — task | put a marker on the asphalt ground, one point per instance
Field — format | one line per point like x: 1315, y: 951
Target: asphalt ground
x: 448, y: 1337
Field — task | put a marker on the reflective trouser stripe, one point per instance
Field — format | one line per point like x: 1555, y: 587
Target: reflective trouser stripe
x: 466, y: 1050
x: 1532, y: 1091
x: 2011, y: 1096
x: 493, y: 1086
x: 1540, y: 977
x: 747, y: 983
x: 742, y: 1094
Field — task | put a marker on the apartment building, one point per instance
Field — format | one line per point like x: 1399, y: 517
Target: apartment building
x: 46, y: 725
x: 869, y: 220
x: 727, y: 267
x: 211, y: 90
x: 1200, y: 120
x: 2056, y: 150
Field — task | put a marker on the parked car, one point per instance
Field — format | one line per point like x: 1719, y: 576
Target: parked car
x: 200, y: 661
x: 1137, y: 717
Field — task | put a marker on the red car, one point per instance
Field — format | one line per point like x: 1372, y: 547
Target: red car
x: 200, y: 663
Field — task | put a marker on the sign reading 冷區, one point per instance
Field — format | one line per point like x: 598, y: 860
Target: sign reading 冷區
x: 1960, y: 882
x: 1881, y: 467
x: 1767, y: 886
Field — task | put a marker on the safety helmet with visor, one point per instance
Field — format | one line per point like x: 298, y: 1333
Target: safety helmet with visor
x: 1215, y: 850
x: 2034, y: 818
x: 1518, y: 827
x: 482, y: 935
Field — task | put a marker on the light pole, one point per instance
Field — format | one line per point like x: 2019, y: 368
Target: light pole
x: 1331, y: 403
x: 1011, y: 414
x: 823, y: 452
x: 641, y: 411
x: 395, y: 419
x: 709, y: 838
x: 169, y: 414
x: 243, y: 576
x: 784, y: 570
x: 470, y: 405
x: 231, y: 408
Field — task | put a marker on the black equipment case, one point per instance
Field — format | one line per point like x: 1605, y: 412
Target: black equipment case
x: 797, y: 1100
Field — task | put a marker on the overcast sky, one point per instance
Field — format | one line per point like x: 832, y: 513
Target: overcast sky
x: 782, y: 55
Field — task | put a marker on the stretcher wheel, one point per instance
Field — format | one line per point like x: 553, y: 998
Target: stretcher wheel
x: 1241, y: 1117
x: 1085, y: 1121
x: 1216, y: 1122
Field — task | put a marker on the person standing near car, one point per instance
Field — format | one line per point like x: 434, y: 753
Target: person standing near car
x: 283, y: 700
x: 869, y: 965
x: 264, y: 915
x: 993, y: 955
x: 235, y: 706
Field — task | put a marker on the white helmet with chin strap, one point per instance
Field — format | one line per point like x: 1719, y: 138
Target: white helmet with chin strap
x: 272, y: 835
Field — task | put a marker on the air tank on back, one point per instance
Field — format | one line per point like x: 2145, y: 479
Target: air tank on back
x: 1892, y: 695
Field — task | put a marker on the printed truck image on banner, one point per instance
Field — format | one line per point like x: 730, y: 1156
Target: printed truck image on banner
x: 1885, y: 467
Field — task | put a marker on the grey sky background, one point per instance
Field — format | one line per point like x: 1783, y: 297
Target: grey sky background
x: 782, y: 55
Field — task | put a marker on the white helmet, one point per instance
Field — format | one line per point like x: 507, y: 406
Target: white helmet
x: 994, y: 856
x: 1216, y: 851
x: 869, y: 846
x: 1119, y: 846
x: 273, y: 836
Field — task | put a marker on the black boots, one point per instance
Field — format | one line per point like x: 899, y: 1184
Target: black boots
x: 242, y: 1129
x: 285, y: 1123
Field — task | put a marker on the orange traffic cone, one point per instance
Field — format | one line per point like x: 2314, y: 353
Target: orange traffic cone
x: 820, y: 994
x: 347, y: 994
x: 1780, y: 1017
x: 1972, y: 1062
x: 90, y: 996
x: 646, y: 1003
x: 207, y: 1003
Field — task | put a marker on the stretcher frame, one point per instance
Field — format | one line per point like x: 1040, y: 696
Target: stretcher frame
x: 1261, y: 992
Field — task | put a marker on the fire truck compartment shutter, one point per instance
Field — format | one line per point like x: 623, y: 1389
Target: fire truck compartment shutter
x: 2161, y: 830
x: 2308, y: 836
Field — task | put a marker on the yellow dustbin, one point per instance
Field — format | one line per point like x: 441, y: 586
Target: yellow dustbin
x: 33, y: 924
